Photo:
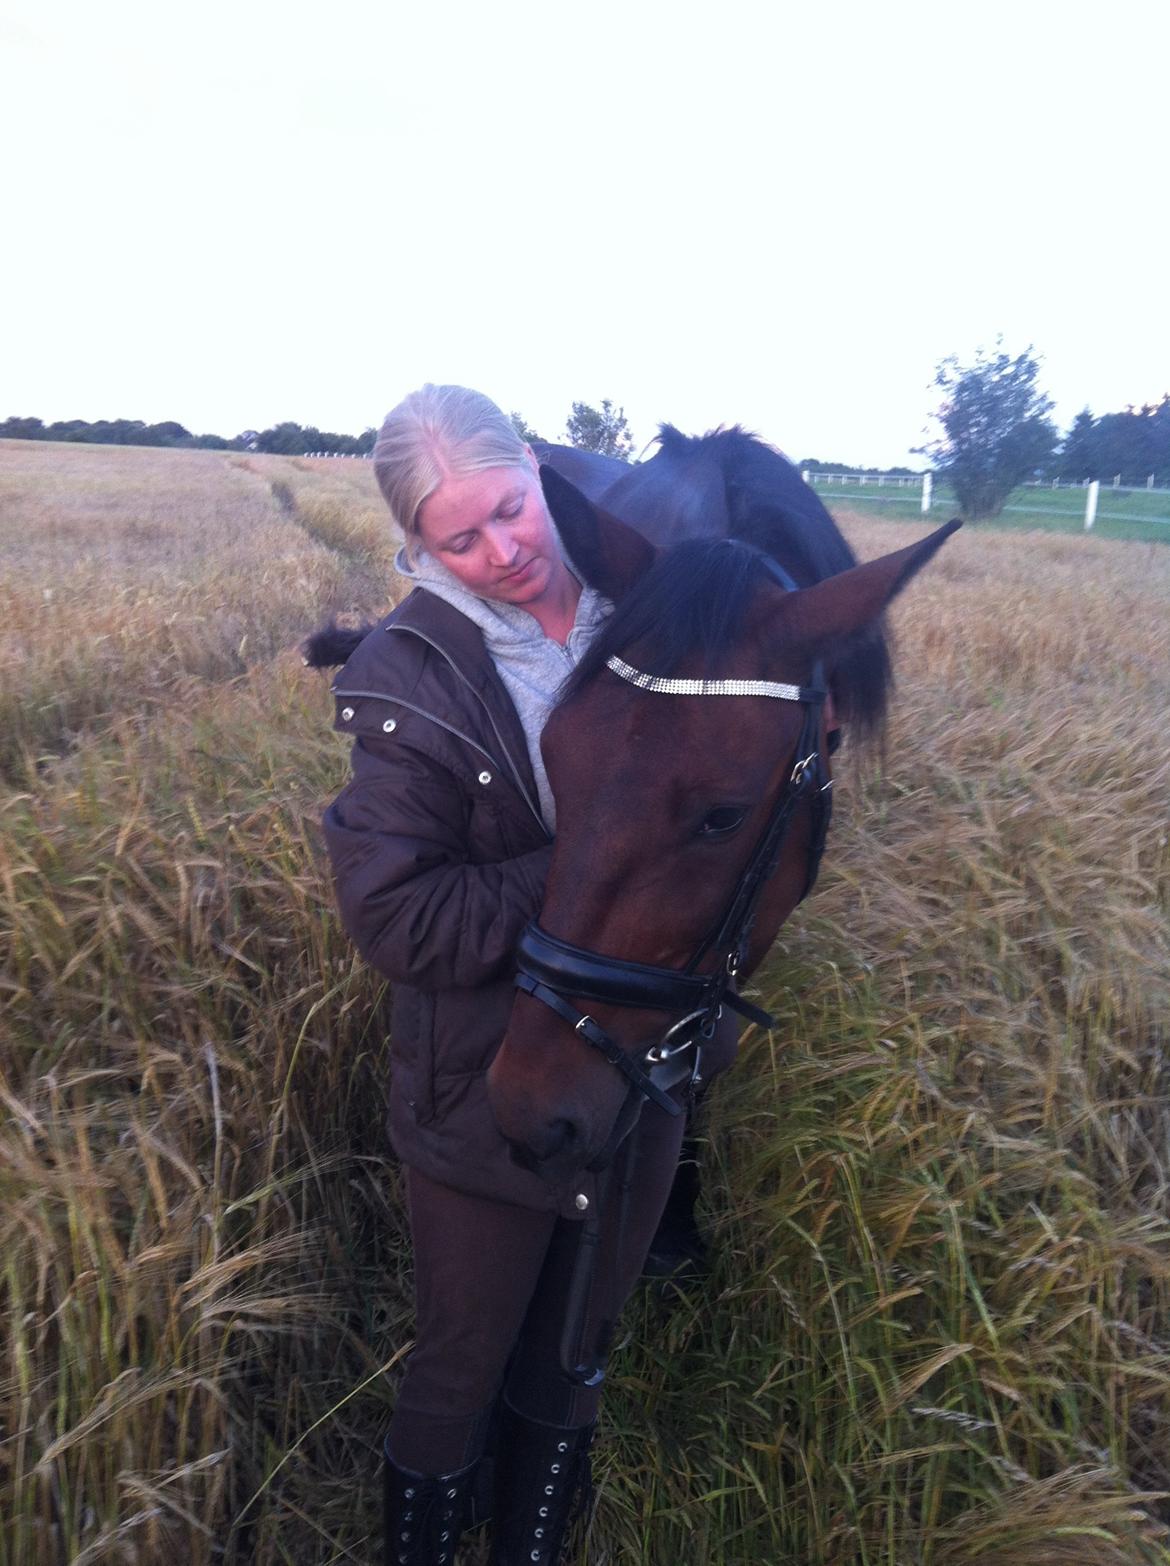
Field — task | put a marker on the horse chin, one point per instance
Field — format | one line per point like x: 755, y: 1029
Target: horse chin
x: 560, y: 1153
x: 557, y: 1158
x: 552, y: 1140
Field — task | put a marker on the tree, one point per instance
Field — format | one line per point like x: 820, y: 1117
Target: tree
x: 996, y: 430
x: 525, y: 431
x: 1078, y: 456
x: 604, y: 431
x: 22, y: 429
x: 285, y: 440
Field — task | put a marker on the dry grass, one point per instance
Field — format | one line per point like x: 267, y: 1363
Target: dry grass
x: 126, y: 569
x: 936, y: 1328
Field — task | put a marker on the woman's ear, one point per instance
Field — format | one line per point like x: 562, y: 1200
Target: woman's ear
x: 609, y: 554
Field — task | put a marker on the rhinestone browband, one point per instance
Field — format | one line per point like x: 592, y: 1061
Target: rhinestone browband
x: 672, y: 687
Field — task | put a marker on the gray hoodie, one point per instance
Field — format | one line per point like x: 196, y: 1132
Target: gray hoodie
x: 531, y: 664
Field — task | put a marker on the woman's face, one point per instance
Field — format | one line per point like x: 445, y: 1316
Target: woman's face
x: 492, y: 530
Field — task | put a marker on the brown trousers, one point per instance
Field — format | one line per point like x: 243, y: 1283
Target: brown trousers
x: 491, y: 1288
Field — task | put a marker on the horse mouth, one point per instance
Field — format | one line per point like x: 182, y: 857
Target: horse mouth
x: 524, y: 1157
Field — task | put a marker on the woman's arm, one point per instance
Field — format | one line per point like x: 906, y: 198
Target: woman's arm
x: 414, y: 906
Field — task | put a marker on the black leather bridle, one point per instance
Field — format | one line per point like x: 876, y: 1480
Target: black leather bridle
x: 550, y: 970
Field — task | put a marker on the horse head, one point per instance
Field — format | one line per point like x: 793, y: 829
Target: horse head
x: 667, y: 787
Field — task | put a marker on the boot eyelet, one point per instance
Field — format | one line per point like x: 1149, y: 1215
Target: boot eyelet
x: 550, y: 1489
x: 542, y: 1512
x: 555, y: 1469
x: 409, y: 1493
x: 538, y: 1533
x: 562, y: 1446
x: 451, y: 1494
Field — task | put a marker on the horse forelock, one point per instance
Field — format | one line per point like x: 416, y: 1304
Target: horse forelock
x: 691, y: 602
x: 769, y: 506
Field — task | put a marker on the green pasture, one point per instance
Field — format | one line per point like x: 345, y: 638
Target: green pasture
x: 1140, y: 515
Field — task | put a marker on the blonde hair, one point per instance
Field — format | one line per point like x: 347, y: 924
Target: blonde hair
x: 433, y: 432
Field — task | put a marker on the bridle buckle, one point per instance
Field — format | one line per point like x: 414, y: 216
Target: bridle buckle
x: 801, y: 768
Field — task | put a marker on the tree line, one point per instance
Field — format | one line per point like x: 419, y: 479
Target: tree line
x: 996, y: 434
x: 603, y: 429
x: 286, y: 439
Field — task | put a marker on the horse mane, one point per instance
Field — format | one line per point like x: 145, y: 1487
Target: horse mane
x: 768, y: 503
x: 693, y: 603
x: 771, y: 509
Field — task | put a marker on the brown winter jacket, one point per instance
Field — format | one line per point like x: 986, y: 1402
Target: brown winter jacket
x: 440, y: 858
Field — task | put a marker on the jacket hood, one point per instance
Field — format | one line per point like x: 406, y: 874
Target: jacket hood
x: 531, y: 665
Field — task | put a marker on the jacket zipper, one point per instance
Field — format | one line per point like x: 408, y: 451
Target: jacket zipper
x: 406, y: 630
x: 449, y: 727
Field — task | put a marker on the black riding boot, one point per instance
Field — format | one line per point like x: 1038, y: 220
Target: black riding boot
x: 543, y: 1481
x: 423, y: 1514
x: 678, y: 1250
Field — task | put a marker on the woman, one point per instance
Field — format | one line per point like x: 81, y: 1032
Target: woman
x: 440, y: 847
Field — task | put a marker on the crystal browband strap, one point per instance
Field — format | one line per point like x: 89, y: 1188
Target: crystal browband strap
x: 683, y: 687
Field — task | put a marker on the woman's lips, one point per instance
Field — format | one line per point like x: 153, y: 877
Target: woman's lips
x: 515, y: 576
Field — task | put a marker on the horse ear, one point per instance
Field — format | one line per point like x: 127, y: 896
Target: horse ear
x: 833, y: 611
x: 610, y: 555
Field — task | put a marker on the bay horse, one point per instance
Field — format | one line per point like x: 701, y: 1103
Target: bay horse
x: 688, y: 759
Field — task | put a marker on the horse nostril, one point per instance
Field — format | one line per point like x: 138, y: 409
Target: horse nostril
x: 553, y: 1139
x: 560, y: 1135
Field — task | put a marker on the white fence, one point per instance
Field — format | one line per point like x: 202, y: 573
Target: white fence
x: 1136, y: 489
x: 922, y: 483
x: 894, y: 487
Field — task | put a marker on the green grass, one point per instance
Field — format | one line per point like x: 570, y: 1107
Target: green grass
x: 1137, y: 515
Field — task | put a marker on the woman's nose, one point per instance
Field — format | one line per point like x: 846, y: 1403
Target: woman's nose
x: 502, y: 546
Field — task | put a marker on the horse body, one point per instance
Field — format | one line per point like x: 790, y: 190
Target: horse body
x: 663, y: 797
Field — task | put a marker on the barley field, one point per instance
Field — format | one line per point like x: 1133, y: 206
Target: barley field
x: 936, y: 1331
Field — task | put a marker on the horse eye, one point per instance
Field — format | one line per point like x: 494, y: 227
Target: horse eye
x: 722, y: 822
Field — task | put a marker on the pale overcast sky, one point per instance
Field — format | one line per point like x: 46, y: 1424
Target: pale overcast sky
x: 781, y: 215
